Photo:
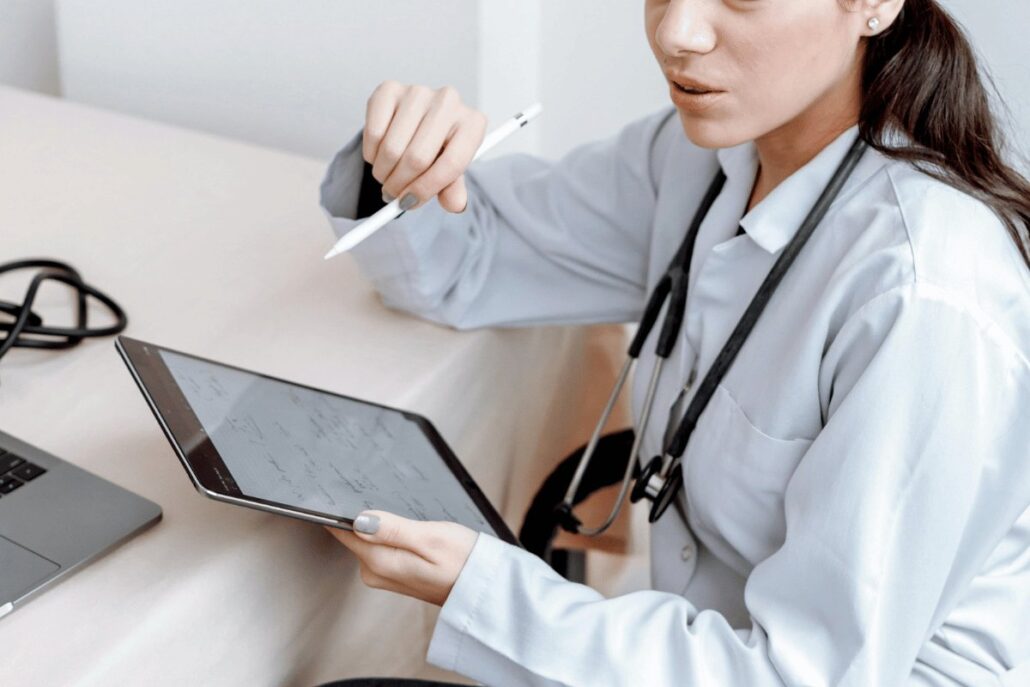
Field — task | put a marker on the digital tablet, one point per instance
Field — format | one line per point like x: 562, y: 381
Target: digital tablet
x: 253, y: 440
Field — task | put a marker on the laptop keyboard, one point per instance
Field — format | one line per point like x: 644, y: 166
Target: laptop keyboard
x: 15, y: 471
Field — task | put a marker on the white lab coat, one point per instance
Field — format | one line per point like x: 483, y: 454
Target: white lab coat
x: 856, y: 507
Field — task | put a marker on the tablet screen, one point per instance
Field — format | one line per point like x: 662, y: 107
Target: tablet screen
x: 321, y: 452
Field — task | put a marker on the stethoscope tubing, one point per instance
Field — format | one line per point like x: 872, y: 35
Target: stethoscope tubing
x: 749, y: 319
x: 673, y: 282
x: 655, y: 482
x: 577, y: 478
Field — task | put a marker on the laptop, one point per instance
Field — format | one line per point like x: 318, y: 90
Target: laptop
x: 55, y: 518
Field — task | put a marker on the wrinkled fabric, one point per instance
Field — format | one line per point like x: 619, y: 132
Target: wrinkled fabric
x: 856, y: 507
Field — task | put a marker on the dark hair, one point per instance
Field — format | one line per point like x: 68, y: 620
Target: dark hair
x: 921, y: 78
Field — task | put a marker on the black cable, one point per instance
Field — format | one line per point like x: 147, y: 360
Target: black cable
x: 26, y: 328
x: 747, y: 322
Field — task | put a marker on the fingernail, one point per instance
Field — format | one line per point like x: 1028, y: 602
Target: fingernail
x: 387, y: 198
x: 409, y: 201
x: 367, y: 524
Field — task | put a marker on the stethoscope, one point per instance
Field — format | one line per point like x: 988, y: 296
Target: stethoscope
x: 662, y: 477
x: 27, y: 329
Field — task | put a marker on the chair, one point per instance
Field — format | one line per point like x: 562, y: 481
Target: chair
x: 540, y: 525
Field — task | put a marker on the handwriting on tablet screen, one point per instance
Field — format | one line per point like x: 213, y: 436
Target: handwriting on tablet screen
x: 311, y: 449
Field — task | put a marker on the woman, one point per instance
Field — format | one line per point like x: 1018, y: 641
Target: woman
x: 856, y: 499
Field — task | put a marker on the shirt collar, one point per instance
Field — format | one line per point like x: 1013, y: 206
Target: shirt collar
x: 774, y: 221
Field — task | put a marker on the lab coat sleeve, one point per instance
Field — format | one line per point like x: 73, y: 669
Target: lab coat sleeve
x: 540, y: 242
x: 920, y: 469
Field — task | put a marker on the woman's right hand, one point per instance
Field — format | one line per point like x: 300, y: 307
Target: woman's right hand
x: 419, y: 142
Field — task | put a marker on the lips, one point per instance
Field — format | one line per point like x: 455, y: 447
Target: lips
x: 693, y: 97
x: 692, y: 86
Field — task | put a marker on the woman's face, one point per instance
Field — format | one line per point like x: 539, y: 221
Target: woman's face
x: 755, y: 66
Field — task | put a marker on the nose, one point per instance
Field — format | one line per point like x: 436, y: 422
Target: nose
x: 685, y: 28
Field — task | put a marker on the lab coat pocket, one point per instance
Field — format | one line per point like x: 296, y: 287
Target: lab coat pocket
x: 735, y: 477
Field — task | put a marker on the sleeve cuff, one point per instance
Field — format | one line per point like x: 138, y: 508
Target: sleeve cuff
x: 387, y: 255
x: 459, y: 610
x: 492, y: 611
x: 342, y: 182
x: 370, y: 196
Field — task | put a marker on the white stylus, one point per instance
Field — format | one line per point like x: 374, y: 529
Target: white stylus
x: 392, y: 210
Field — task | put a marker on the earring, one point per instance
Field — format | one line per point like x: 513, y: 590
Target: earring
x: 874, y: 24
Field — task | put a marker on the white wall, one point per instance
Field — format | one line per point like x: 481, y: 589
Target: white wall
x: 292, y: 74
x: 597, y: 70
x: 253, y: 67
x: 998, y: 31
x: 28, y: 45
x: 507, y: 74
x: 280, y: 72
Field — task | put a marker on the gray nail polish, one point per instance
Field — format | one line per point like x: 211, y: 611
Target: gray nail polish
x: 387, y: 198
x: 409, y: 201
x: 367, y: 524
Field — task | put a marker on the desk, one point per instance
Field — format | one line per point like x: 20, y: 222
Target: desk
x: 214, y: 247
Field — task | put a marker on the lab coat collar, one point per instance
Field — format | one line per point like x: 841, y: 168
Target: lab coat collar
x: 774, y: 221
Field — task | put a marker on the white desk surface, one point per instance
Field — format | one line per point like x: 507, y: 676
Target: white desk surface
x: 214, y: 247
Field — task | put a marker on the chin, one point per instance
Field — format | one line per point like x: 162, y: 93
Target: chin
x: 709, y: 131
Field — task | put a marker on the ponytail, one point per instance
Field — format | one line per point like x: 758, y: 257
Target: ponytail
x: 920, y: 78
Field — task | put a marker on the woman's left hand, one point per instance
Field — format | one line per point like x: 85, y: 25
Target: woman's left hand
x: 411, y: 557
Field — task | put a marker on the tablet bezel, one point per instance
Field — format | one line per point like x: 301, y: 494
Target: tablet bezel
x: 208, y: 471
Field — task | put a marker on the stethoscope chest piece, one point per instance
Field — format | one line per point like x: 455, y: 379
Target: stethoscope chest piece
x: 659, y: 489
x: 662, y: 478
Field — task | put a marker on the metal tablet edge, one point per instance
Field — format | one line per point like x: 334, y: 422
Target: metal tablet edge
x: 498, y: 526
x: 344, y: 523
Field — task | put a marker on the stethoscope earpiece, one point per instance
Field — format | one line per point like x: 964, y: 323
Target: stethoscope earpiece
x: 670, y: 487
x: 659, y: 489
x: 645, y: 485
